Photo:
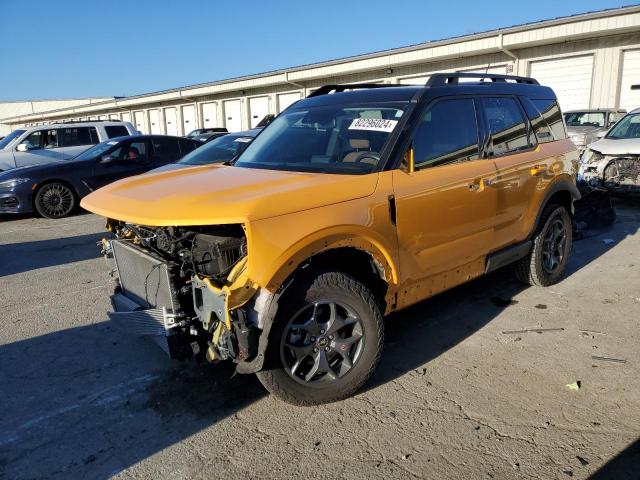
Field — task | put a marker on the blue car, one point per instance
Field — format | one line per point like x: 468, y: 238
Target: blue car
x: 54, y: 190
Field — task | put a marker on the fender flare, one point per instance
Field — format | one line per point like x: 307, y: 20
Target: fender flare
x: 560, y: 185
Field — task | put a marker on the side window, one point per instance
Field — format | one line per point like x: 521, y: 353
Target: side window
x: 448, y: 133
x: 51, y: 139
x: 165, y: 146
x: 131, y: 152
x: 187, y: 146
x: 73, y: 137
x: 114, y: 131
x: 506, y: 124
x: 546, y: 119
x: 35, y: 141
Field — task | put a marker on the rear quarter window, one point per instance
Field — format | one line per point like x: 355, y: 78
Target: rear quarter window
x: 546, y: 119
x: 116, y: 131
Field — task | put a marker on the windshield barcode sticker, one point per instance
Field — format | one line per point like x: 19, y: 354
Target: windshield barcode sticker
x: 373, y: 124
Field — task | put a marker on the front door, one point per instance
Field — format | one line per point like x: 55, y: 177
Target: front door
x: 129, y: 158
x: 42, y: 147
x: 446, y: 207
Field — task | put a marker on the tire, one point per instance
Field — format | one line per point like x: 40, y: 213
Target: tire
x: 541, y: 267
x: 294, y: 368
x: 55, y: 200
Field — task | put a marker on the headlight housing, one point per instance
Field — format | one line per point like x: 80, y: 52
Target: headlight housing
x: 591, y: 156
x: 14, y: 182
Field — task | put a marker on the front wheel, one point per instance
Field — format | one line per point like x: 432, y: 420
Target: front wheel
x: 546, y: 262
x: 55, y: 200
x: 326, y: 341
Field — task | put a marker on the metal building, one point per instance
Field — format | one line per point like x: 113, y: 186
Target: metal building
x: 590, y: 60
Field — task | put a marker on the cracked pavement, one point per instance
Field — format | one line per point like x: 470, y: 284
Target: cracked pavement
x: 473, y: 383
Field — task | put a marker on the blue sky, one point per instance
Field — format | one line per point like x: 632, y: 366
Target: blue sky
x: 67, y: 48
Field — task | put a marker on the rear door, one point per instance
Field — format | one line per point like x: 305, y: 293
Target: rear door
x: 164, y: 150
x: 42, y: 147
x: 75, y: 140
x: 511, y: 144
x: 445, y: 210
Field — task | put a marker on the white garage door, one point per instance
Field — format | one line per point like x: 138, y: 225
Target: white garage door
x: 102, y: 117
x: 232, y: 115
x: 170, y: 121
x: 258, y: 108
x: 154, y: 120
x: 414, y: 80
x: 114, y: 116
x: 138, y: 118
x: 209, y: 115
x: 500, y: 70
x: 570, y: 78
x: 630, y: 99
x: 188, y: 118
x: 286, y: 99
x: 126, y: 117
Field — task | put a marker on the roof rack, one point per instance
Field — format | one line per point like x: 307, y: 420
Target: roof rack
x: 84, y: 121
x: 443, y: 79
x: 326, y: 89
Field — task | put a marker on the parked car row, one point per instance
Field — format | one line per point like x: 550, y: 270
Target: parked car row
x: 51, y: 181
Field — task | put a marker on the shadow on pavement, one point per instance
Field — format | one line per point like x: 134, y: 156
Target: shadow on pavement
x: 88, y: 402
x: 26, y: 256
x: 624, y: 466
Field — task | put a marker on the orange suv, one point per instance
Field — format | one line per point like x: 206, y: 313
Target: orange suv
x: 357, y: 201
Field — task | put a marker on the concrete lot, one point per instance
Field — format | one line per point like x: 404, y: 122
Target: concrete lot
x: 456, y: 396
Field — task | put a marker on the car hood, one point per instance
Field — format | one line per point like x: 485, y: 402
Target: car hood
x: 583, y: 130
x: 621, y: 146
x: 218, y: 194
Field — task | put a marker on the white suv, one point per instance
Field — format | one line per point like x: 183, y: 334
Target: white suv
x: 58, y: 141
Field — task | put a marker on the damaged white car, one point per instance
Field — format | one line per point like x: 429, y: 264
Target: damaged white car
x: 613, y: 162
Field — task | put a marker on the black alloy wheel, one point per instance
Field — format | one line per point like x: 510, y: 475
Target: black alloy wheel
x: 55, y: 200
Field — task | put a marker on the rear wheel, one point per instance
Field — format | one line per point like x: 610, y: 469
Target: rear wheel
x: 326, y: 341
x: 55, y: 200
x: 546, y: 262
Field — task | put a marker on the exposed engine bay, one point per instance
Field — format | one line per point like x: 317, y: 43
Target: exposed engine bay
x: 620, y: 174
x: 173, y: 282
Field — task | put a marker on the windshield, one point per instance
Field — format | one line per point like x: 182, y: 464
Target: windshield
x: 584, y: 119
x: 9, y: 138
x: 220, y: 150
x: 96, y: 150
x: 331, y: 139
x: 628, y: 127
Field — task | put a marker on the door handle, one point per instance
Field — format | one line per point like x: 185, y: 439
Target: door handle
x: 476, y: 185
x: 538, y: 169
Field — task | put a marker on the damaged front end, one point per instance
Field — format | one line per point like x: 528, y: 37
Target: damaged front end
x: 619, y: 174
x: 187, y: 288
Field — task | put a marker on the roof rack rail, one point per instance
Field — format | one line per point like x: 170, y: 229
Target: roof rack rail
x: 84, y: 121
x: 326, y: 89
x: 443, y: 79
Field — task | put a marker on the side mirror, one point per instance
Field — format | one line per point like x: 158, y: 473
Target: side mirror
x: 408, y: 164
x: 107, y: 159
x: 23, y: 147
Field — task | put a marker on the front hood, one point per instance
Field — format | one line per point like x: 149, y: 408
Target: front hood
x: 584, y: 130
x: 217, y: 194
x: 621, y: 146
x: 24, y: 172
